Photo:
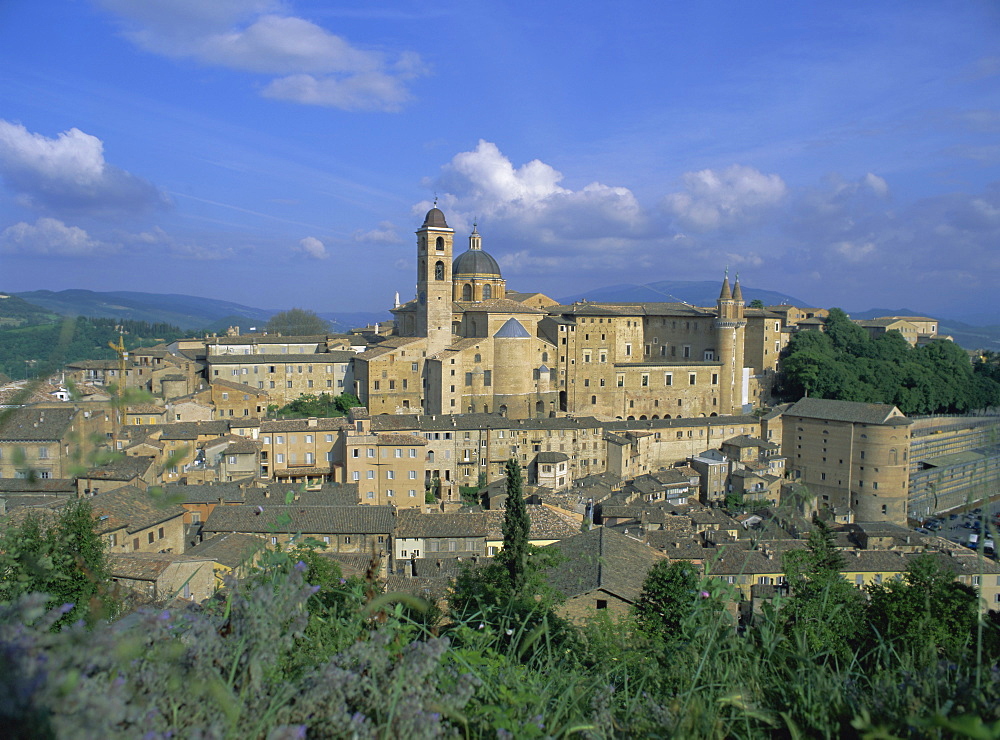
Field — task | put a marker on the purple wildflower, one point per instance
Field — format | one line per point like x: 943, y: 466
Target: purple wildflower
x: 66, y: 608
x: 705, y: 594
x: 301, y: 567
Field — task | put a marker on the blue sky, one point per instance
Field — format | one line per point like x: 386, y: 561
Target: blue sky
x: 282, y: 154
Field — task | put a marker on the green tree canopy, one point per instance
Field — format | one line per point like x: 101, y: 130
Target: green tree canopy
x: 296, y: 322
x: 824, y: 612
x: 928, y: 610
x: 63, y: 558
x: 846, y: 364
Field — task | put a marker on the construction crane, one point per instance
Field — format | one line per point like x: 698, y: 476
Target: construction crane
x: 119, y: 410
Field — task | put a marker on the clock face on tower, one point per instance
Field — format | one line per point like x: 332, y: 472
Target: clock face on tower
x: 422, y: 298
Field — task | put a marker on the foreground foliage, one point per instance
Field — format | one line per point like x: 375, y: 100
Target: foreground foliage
x: 298, y: 651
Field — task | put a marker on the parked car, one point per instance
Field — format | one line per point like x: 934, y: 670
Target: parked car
x: 973, y: 541
x: 989, y: 548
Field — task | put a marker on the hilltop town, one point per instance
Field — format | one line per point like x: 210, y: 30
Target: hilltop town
x: 646, y: 432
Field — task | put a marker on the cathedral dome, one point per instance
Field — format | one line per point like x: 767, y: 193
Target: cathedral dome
x: 475, y: 262
x: 435, y: 218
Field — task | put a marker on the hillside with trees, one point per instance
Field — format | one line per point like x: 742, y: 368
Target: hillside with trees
x: 41, y: 349
x: 845, y: 363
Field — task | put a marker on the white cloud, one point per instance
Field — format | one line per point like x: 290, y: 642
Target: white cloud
x: 68, y: 172
x: 877, y: 185
x: 483, y: 183
x: 313, y: 65
x: 386, y: 233
x: 854, y: 251
x: 712, y: 199
x: 312, y: 247
x: 49, y: 236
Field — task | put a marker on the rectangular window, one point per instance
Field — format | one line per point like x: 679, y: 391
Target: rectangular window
x: 644, y: 380
x: 150, y: 537
x: 371, y: 475
x: 487, y: 377
x: 668, y: 379
x: 356, y: 475
x: 279, y: 457
x: 468, y: 378
x: 691, y: 378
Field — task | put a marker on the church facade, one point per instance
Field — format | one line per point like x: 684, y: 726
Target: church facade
x: 466, y: 344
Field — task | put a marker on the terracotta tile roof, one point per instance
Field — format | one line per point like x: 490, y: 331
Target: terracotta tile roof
x: 131, y: 508
x: 241, y: 387
x: 546, y: 523
x: 316, y: 358
x: 303, y: 425
x: 605, y: 559
x: 229, y: 549
x: 301, y: 519
x: 849, y: 411
x: 126, y: 467
x: 24, y: 486
x: 147, y: 566
x: 414, y: 524
x: 34, y: 424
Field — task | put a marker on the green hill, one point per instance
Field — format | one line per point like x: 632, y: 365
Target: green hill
x: 15, y: 311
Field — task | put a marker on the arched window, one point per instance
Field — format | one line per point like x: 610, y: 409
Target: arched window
x: 893, y: 457
x: 545, y: 356
x: 478, y: 358
x: 467, y: 292
x: 430, y: 455
x: 439, y: 243
x: 439, y: 270
x: 487, y: 292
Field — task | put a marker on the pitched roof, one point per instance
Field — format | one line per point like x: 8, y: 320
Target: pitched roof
x: 546, y: 523
x: 131, y: 508
x: 147, y: 566
x: 512, y: 329
x: 32, y: 424
x: 849, y: 411
x: 605, y: 559
x: 415, y: 525
x: 230, y: 549
x: 301, y: 519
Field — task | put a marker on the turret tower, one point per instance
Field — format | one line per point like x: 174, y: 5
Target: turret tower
x: 729, y: 330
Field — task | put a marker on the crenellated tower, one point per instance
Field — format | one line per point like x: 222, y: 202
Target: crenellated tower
x: 434, y: 249
x: 729, y: 330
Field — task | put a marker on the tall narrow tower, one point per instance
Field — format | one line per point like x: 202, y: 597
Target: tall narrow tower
x: 729, y: 326
x: 434, y: 248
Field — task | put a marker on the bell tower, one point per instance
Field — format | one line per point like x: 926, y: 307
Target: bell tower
x: 434, y: 248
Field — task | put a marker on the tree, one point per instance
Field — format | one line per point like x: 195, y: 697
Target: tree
x: 824, y: 611
x: 515, y: 578
x: 515, y: 528
x: 756, y: 303
x: 925, y: 611
x: 296, y: 322
x: 322, y: 406
x: 668, y: 596
x: 63, y: 558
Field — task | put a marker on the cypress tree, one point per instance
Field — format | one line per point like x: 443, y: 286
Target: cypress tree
x: 516, y: 526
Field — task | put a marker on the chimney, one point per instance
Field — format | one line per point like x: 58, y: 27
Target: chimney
x: 267, y: 493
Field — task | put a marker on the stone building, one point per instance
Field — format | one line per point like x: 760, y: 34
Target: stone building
x: 467, y: 344
x: 850, y: 456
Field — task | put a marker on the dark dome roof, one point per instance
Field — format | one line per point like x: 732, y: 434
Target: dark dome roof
x: 475, y: 262
x: 435, y: 217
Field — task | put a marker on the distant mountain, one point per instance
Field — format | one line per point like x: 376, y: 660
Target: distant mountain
x: 697, y: 293
x: 187, y: 312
